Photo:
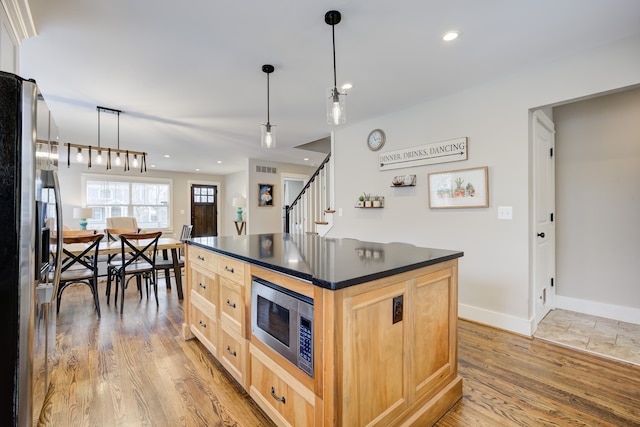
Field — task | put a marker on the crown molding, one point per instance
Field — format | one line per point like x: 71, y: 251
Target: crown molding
x: 18, y: 13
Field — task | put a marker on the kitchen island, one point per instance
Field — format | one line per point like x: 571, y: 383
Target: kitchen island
x: 382, y: 340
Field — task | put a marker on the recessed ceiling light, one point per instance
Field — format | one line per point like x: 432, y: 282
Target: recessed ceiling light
x: 153, y: 166
x: 306, y: 159
x: 167, y: 156
x: 450, y: 35
x: 219, y: 161
x: 346, y: 86
x: 197, y: 170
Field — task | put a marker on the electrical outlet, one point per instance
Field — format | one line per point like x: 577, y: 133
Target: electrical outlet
x: 505, y: 212
x: 397, y: 309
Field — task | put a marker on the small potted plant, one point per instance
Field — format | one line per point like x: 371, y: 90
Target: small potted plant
x: 377, y: 202
x: 367, y: 200
x: 361, y: 201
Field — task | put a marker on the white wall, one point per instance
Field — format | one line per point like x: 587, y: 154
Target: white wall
x: 598, y: 200
x: 268, y: 219
x: 236, y: 186
x: 495, y: 273
x: 72, y: 191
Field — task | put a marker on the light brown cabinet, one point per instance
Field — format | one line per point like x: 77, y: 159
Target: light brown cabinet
x: 216, y: 308
x: 399, y: 348
x: 385, y: 351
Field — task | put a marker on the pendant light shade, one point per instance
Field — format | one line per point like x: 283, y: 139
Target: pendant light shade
x: 268, y: 138
x: 336, y: 100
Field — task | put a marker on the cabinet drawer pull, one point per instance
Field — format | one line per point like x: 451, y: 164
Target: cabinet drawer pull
x: 202, y: 286
x: 231, y: 305
x: 203, y: 324
x: 200, y: 257
x: 273, y: 394
x: 229, y: 269
x: 233, y: 353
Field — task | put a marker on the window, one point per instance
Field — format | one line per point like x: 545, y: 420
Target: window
x: 146, y: 199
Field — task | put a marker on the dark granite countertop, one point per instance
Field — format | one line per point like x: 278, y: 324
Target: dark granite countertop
x: 325, y: 262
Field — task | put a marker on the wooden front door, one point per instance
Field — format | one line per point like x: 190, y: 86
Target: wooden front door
x: 204, y: 210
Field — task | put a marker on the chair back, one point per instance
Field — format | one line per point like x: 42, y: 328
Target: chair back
x: 77, y: 233
x: 186, y: 232
x: 89, y: 255
x: 139, y: 247
x: 122, y: 222
x: 113, y: 234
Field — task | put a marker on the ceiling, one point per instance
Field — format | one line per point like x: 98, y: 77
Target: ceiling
x: 189, y: 79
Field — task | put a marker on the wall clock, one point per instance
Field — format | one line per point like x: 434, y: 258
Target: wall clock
x: 376, y: 139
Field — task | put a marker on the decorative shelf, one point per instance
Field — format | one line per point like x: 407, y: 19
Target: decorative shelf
x: 404, y: 181
x: 381, y: 204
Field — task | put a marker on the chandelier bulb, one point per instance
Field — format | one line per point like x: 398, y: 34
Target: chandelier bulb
x: 118, y: 161
x: 99, y: 157
x: 79, y: 155
x: 135, y: 160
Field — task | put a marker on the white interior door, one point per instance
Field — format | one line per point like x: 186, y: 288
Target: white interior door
x: 544, y: 243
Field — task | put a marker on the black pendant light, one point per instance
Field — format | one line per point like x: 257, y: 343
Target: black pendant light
x: 336, y: 102
x: 268, y: 139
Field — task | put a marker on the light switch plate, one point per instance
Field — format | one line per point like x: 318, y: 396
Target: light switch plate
x: 505, y: 212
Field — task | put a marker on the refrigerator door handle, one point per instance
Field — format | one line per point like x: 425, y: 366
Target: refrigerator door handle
x: 59, y: 240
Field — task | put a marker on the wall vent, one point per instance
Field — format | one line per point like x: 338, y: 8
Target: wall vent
x: 265, y: 169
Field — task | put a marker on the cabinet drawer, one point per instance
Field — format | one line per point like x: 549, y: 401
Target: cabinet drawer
x: 204, y: 327
x: 233, y: 354
x: 231, y: 269
x: 279, y: 397
x: 204, y: 283
x: 232, y: 310
x: 203, y: 258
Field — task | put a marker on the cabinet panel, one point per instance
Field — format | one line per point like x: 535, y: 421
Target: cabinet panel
x: 374, y: 347
x: 432, y: 339
x: 278, y: 397
x: 204, y: 283
x: 233, y: 354
x: 232, y: 309
x: 203, y: 258
x: 231, y: 269
x: 203, y: 324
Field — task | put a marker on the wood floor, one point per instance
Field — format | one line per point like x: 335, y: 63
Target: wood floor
x: 136, y: 370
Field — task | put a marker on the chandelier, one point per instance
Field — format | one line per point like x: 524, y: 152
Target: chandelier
x: 139, y: 157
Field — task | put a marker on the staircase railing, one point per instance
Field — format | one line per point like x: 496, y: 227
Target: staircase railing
x: 310, y: 206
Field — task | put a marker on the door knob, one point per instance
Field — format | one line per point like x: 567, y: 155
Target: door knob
x: 541, y: 235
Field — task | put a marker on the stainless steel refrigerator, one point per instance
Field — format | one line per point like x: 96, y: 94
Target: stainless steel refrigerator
x: 30, y: 218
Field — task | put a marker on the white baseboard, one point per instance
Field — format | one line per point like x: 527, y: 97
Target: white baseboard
x: 609, y: 311
x: 495, y: 319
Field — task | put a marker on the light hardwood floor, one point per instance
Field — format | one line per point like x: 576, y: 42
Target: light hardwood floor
x: 136, y: 370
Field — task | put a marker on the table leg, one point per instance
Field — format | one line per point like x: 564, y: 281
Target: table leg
x: 167, y: 274
x: 177, y: 271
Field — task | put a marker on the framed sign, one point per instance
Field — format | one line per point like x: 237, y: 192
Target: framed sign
x: 265, y: 194
x: 462, y: 188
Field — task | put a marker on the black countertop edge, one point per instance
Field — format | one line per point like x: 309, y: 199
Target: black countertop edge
x: 334, y: 286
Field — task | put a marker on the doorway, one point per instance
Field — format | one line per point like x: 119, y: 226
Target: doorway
x: 204, y: 210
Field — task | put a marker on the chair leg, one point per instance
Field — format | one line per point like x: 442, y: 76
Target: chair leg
x: 94, y: 290
x: 122, y: 285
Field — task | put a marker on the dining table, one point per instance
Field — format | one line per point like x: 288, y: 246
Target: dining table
x: 165, y: 244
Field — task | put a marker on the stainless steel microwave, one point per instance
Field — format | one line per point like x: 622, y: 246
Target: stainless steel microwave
x: 283, y: 320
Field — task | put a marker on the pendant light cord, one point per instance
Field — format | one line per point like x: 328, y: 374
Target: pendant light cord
x: 333, y: 34
x: 268, y: 98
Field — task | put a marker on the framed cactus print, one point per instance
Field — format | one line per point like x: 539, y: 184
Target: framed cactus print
x: 462, y: 188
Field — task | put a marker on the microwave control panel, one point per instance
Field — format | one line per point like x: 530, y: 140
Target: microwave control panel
x: 306, y: 345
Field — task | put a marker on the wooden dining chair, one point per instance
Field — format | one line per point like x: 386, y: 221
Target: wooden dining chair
x: 137, y: 259
x: 167, y: 264
x: 81, y: 268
